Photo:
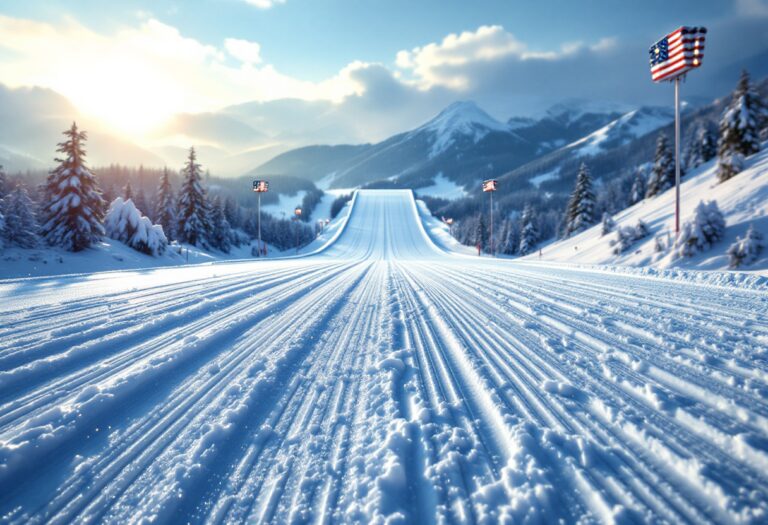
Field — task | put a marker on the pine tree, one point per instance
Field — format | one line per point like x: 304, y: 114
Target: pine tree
x: 193, y: 210
x: 529, y: 235
x: 141, y: 202
x: 580, y: 213
x: 637, y: 193
x: 3, y: 184
x: 607, y: 224
x: 481, y: 233
x: 20, y: 221
x: 165, y: 209
x: 740, y: 128
x: 221, y: 235
x: 746, y: 250
x: 663, y: 171
x: 73, y: 210
x: 703, y: 148
x: 128, y: 191
x: 232, y: 213
x: 701, y: 231
x: 125, y: 223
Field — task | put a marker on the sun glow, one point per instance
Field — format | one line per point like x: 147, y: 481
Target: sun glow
x: 126, y: 95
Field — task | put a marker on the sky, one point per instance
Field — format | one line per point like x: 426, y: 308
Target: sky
x: 136, y: 63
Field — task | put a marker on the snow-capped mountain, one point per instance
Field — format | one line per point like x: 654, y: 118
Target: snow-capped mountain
x: 628, y: 127
x: 459, y: 121
x: 462, y: 145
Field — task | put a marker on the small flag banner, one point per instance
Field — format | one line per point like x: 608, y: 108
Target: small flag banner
x: 490, y: 185
x: 260, y: 186
x: 677, y: 53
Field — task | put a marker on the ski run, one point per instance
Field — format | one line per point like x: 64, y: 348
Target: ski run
x: 382, y: 379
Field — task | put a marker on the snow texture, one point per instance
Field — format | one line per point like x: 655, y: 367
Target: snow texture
x: 382, y: 379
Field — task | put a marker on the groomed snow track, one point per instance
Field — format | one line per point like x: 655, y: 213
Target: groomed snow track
x: 381, y: 378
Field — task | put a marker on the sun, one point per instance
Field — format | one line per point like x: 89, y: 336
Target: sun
x: 126, y: 95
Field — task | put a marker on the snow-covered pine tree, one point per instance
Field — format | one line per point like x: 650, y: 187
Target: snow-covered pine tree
x: 580, y: 213
x: 73, y: 209
x: 20, y: 221
x: 637, y: 193
x: 740, y: 129
x: 607, y: 224
x: 165, y: 206
x: 221, y: 234
x: 125, y: 223
x: 703, y: 147
x: 529, y: 235
x: 746, y: 250
x: 663, y: 172
x: 194, y: 225
x: 701, y: 231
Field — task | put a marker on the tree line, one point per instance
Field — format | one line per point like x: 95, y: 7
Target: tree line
x: 71, y: 211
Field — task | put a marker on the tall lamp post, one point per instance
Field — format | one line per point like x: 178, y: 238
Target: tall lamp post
x: 490, y: 186
x: 297, y: 215
x: 259, y: 187
x: 671, y: 58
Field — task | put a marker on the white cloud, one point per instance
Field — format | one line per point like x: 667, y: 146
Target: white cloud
x: 243, y: 50
x: 752, y: 8
x: 449, y: 63
x: 140, y: 75
x: 264, y: 4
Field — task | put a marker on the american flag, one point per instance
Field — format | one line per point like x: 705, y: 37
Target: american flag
x: 260, y: 186
x: 490, y: 185
x: 677, y: 53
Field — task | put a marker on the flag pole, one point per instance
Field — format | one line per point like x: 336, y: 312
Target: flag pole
x: 677, y: 154
x: 493, y: 250
x: 259, y: 221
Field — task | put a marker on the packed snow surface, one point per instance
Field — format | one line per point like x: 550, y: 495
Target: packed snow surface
x: 382, y: 379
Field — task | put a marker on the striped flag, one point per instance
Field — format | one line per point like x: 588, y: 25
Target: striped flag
x: 260, y: 186
x: 490, y: 185
x: 677, y: 53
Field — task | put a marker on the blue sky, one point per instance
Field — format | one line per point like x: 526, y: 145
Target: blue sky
x: 315, y: 38
x: 378, y: 67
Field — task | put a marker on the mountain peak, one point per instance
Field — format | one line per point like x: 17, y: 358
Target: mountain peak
x: 460, y: 119
x: 572, y: 109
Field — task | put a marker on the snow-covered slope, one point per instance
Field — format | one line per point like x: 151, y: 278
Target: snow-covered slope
x: 382, y: 380
x: 743, y: 201
x: 629, y: 126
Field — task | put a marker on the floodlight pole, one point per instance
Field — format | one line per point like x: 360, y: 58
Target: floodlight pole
x: 677, y: 154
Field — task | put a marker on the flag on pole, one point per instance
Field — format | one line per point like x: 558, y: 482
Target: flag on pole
x: 677, y: 53
x: 490, y: 185
x: 260, y: 186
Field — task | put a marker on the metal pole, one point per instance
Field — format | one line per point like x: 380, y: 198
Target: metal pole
x: 493, y: 250
x: 677, y: 154
x: 297, y: 235
x: 259, y: 222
